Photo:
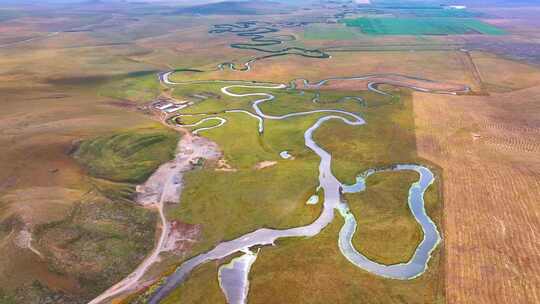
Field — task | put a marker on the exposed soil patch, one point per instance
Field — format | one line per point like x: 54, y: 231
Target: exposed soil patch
x: 125, y: 104
x: 223, y: 165
x: 265, y: 164
x: 181, y: 237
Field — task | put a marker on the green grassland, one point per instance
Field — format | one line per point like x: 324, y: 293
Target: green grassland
x: 422, y: 26
x: 286, y: 273
x: 286, y: 101
x: 330, y: 32
x: 138, y: 87
x: 386, y: 232
x: 229, y: 204
x: 437, y: 12
x: 232, y: 195
x: 314, y: 271
x: 130, y: 156
x: 417, y: 9
x: 387, y: 138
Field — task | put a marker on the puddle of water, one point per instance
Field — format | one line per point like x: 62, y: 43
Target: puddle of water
x: 285, y: 155
x: 233, y: 277
x: 313, y: 200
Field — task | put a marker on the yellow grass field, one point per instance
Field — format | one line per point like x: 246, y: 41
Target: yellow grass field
x: 489, y: 148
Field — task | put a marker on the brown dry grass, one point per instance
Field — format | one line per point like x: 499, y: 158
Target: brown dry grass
x: 395, y: 80
x: 504, y: 75
x: 39, y: 181
x: 39, y: 121
x: 444, y: 67
x: 488, y: 148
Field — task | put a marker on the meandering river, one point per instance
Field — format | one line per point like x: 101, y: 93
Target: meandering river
x: 332, y: 202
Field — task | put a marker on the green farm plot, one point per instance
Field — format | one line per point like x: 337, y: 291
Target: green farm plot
x: 5, y: 15
x: 439, y: 12
x: 330, y: 32
x: 423, y: 26
x: 418, y: 9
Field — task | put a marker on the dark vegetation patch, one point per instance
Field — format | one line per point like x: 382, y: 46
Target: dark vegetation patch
x: 80, y: 80
x: 138, y: 88
x: 6, y: 298
x: 96, y: 80
x: 123, y: 104
x: 37, y: 293
x: 130, y: 156
x: 7, y: 224
x: 99, y: 243
x: 264, y: 39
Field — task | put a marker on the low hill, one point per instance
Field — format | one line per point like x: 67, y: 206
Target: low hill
x: 237, y: 8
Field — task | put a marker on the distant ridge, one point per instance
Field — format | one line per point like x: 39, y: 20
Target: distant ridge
x: 236, y: 8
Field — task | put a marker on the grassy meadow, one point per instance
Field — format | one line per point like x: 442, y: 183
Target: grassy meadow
x: 314, y: 271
